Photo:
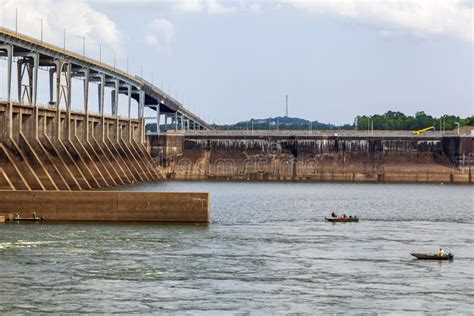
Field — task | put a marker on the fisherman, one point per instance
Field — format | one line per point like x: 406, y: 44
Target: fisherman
x: 333, y: 214
x: 441, y: 252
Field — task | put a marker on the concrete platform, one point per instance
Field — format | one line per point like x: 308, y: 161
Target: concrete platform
x: 108, y: 206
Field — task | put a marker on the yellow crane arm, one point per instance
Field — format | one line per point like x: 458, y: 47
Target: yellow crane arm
x: 423, y: 130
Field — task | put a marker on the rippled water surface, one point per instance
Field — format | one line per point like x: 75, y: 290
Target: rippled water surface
x: 267, y: 250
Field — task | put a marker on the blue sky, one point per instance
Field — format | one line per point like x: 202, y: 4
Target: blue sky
x: 230, y: 61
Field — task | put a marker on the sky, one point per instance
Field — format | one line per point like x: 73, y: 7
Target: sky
x: 230, y: 61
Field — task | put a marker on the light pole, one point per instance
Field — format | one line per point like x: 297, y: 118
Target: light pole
x: 459, y: 127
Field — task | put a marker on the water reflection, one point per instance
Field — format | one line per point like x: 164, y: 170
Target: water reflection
x: 268, y: 250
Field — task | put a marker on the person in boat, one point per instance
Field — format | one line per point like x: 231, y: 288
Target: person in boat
x: 333, y: 214
x: 17, y: 216
x: 34, y: 214
x: 441, y: 252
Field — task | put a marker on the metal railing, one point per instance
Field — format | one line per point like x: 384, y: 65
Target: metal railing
x: 64, y: 51
x: 318, y: 133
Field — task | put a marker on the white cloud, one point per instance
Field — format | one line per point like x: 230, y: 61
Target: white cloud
x: 216, y: 7
x: 76, y: 16
x: 160, y: 35
x: 420, y: 17
x: 213, y: 6
x: 188, y: 6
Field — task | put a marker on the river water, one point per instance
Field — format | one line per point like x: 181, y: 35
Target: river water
x: 267, y: 250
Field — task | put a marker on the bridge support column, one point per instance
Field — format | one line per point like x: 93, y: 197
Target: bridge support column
x: 24, y: 90
x: 62, y: 91
x: 35, y: 57
x: 68, y: 87
x: 101, y: 92
x: 158, y: 116
x: 176, y: 121
x: 141, y: 108
x: 166, y: 121
x: 51, y: 85
x: 28, y: 68
x: 86, y: 72
x: 129, y: 92
x: 8, y: 131
x: 115, y: 95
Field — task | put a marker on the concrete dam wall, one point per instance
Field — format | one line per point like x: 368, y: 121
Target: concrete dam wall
x: 378, y: 157
x: 45, y: 149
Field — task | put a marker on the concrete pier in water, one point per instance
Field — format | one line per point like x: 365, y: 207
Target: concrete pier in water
x: 107, y: 206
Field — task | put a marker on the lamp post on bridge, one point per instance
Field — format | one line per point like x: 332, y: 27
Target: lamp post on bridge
x: 459, y: 126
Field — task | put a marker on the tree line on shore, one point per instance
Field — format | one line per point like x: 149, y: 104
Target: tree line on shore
x: 390, y: 120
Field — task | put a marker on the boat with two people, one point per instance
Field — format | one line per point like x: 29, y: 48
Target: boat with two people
x: 34, y: 218
x: 334, y: 218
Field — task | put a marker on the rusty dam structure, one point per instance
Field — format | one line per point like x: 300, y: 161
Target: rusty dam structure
x: 344, y: 156
x: 56, y: 159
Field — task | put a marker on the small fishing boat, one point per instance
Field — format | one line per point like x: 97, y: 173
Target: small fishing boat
x: 348, y: 219
x: 29, y: 219
x: 430, y: 256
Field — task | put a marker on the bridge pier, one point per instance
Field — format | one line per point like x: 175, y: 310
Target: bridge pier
x: 7, y: 128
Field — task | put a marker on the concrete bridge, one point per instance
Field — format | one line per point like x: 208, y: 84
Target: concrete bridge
x: 54, y: 147
x: 30, y: 54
